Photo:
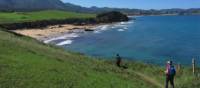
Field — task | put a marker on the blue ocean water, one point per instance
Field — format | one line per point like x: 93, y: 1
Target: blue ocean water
x: 151, y: 39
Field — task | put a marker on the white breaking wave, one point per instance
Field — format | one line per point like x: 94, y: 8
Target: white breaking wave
x: 97, y: 31
x: 112, y: 26
x: 67, y: 36
x: 105, y: 27
x: 121, y: 26
x: 102, y: 28
x: 122, y: 22
x: 121, y: 30
x: 67, y: 42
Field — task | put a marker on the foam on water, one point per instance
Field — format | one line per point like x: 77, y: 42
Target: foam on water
x: 101, y: 28
x: 97, y: 31
x: 67, y: 42
x: 121, y: 26
x: 66, y: 36
x: 121, y: 30
x: 105, y: 27
x: 115, y: 25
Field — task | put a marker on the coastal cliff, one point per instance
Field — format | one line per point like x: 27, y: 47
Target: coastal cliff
x: 110, y: 17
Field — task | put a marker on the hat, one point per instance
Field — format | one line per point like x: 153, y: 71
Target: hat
x: 169, y: 62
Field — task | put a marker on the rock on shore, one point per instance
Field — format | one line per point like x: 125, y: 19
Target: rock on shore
x: 110, y: 17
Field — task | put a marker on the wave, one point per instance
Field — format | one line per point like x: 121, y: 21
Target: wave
x: 97, y: 31
x: 112, y: 26
x: 122, y: 22
x: 66, y: 36
x: 101, y: 28
x: 121, y: 26
x: 67, y: 42
x: 121, y: 30
x: 105, y: 27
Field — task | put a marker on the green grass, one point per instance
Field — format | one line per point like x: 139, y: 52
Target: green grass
x: 14, y: 17
x: 27, y: 63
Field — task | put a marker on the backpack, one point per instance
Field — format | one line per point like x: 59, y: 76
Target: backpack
x: 172, y: 71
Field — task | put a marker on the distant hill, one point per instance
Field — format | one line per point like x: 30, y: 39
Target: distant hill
x: 30, y: 5
x: 94, y: 9
x: 77, y: 8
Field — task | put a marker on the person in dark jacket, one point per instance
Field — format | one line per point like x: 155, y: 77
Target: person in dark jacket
x: 170, y: 73
x: 119, y: 60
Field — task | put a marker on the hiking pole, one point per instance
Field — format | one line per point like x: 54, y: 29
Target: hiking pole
x: 193, y: 66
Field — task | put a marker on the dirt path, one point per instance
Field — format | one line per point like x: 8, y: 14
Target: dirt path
x: 149, y: 79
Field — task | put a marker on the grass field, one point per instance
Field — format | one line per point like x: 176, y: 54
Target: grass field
x: 14, y: 17
x: 27, y: 63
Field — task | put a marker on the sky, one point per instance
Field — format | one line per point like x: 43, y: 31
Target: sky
x: 139, y: 4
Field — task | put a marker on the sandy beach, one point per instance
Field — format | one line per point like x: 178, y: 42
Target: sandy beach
x: 45, y: 33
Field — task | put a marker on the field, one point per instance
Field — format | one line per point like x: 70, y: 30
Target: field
x: 16, y: 17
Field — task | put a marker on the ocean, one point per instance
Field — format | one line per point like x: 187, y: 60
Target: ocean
x: 150, y: 39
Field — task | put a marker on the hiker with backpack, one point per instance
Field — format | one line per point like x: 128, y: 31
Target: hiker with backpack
x: 170, y: 73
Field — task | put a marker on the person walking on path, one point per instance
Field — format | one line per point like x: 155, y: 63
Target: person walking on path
x: 119, y: 60
x: 170, y: 73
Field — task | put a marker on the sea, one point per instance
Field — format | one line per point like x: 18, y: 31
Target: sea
x: 149, y: 39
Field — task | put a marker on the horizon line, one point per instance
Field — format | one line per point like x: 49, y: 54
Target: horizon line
x: 152, y: 8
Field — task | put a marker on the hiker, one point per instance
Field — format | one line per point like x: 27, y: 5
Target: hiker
x: 119, y: 60
x: 170, y: 73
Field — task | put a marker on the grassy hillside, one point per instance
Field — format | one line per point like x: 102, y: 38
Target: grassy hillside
x: 10, y: 17
x: 27, y: 63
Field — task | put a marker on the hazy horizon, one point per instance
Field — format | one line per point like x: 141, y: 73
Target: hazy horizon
x: 138, y: 4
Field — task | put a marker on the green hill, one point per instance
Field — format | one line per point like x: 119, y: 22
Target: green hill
x: 14, y: 17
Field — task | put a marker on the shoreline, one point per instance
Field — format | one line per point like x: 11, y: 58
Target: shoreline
x: 49, y: 32
x: 67, y: 32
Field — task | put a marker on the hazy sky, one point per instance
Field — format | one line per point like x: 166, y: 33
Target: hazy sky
x: 141, y: 4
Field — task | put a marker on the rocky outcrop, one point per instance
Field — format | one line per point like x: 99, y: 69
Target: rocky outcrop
x: 89, y: 29
x: 110, y: 17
